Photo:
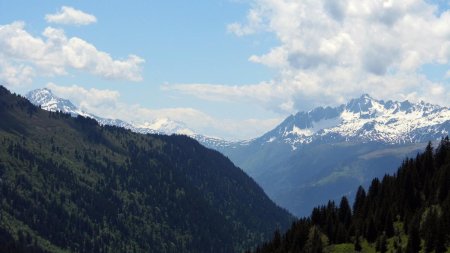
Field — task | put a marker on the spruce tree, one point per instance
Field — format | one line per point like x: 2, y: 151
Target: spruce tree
x: 314, y: 243
x: 429, y: 230
x: 383, y: 244
x: 357, y: 245
x: 413, y: 245
x: 371, y: 232
x: 389, y: 225
x: 358, y: 206
x: 345, y: 213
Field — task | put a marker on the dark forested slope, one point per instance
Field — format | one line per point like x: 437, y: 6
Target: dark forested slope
x: 70, y: 185
x: 406, y: 212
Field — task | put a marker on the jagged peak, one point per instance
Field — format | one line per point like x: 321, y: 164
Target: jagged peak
x: 363, y: 99
x: 366, y: 96
x: 40, y: 91
x: 364, y: 118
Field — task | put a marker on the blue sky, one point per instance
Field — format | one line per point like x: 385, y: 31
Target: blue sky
x: 227, y: 68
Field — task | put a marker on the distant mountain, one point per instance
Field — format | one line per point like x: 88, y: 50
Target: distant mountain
x: 68, y: 184
x: 48, y: 101
x: 327, y: 152
x: 364, y: 120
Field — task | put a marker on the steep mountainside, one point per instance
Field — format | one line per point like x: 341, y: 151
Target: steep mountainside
x: 70, y: 185
x: 406, y: 212
x: 327, y: 152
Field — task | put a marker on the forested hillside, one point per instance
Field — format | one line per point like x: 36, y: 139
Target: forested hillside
x: 406, y: 212
x: 70, y: 185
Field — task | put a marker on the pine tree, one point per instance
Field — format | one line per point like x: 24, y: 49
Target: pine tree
x: 381, y: 244
x: 276, y: 239
x: 358, y: 206
x: 371, y: 232
x: 345, y: 213
x: 389, y: 225
x: 314, y: 243
x: 357, y: 245
x: 429, y: 230
x: 413, y: 245
x: 442, y: 152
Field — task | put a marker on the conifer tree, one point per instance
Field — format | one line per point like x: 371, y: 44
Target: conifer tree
x: 357, y: 245
x: 429, y: 230
x: 413, y: 245
x: 358, y: 206
x: 389, y: 225
x: 345, y: 213
x: 381, y: 244
x: 371, y: 232
x: 314, y: 243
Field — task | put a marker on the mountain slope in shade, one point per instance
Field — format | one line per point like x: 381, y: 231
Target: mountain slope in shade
x: 70, y: 185
x: 326, y: 153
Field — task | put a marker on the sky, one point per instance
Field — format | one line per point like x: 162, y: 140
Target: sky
x: 227, y: 68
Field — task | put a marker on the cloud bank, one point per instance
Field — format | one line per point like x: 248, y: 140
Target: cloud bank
x: 23, y: 56
x: 330, y: 51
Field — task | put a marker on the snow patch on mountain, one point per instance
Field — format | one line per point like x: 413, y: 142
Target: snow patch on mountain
x: 50, y: 102
x: 363, y: 119
x: 165, y: 125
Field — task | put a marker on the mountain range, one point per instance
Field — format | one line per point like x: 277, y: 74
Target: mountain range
x: 47, y: 100
x: 50, y: 102
x: 364, y: 119
x: 327, y: 152
x: 317, y: 155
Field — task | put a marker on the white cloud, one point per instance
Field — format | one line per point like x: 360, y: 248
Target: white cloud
x: 87, y: 99
x: 330, y: 51
x: 253, y: 19
x: 56, y: 54
x: 198, y: 121
x: 267, y: 94
x: 447, y: 75
x: 16, y: 75
x: 70, y: 16
x: 106, y: 103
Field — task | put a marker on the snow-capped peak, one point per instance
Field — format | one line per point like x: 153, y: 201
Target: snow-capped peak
x: 50, y: 102
x: 364, y: 119
x: 165, y: 125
